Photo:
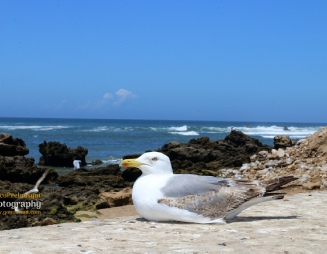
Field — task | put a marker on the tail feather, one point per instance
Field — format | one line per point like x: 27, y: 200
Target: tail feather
x: 232, y: 214
x: 258, y: 193
x: 277, y: 183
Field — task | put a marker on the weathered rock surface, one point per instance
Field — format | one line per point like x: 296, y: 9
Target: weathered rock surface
x: 63, y: 195
x: 15, y: 167
x: 10, y: 146
x: 23, y: 170
x: 307, y: 161
x: 59, y: 155
x: 18, y: 175
x: 93, y: 177
x: 52, y: 207
x: 120, y: 198
x: 78, y: 190
x: 282, y: 142
x: 202, y: 156
x: 293, y: 225
x: 131, y: 174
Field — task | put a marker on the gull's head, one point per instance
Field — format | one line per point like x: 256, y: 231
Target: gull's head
x: 150, y: 163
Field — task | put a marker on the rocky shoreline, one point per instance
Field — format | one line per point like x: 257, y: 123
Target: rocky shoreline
x: 237, y: 156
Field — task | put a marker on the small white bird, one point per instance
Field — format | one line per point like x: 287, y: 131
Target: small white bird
x: 77, y: 164
x: 35, y: 188
x: 160, y: 195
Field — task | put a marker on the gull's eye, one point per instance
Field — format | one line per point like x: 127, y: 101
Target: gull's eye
x: 154, y: 159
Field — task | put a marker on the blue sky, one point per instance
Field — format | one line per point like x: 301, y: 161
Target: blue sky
x: 177, y: 60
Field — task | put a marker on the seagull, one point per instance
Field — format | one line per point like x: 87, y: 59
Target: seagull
x: 35, y: 189
x: 77, y: 164
x: 160, y: 195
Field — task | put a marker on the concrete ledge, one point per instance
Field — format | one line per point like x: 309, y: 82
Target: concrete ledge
x: 296, y: 224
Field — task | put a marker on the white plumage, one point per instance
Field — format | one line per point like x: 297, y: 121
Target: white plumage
x: 160, y: 195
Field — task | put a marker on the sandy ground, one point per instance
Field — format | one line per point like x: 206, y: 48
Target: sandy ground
x: 296, y: 224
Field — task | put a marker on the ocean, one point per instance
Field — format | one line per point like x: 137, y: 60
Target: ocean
x: 109, y: 140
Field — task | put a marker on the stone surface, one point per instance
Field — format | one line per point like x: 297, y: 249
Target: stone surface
x: 306, y: 161
x: 293, y: 225
x: 280, y: 153
x: 282, y: 142
x: 120, y: 198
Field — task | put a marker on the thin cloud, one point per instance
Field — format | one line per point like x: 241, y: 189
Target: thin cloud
x: 107, y: 99
x: 122, y: 95
x: 107, y: 96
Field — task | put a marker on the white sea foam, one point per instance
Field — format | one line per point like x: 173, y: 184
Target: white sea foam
x: 272, y: 131
x: 112, y: 161
x: 181, y: 128
x: 108, y: 128
x: 99, y: 129
x: 33, y: 127
x: 170, y: 129
x: 216, y: 129
x: 185, y: 133
x: 268, y: 132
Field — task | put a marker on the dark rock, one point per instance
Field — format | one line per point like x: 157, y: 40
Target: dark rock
x: 96, y: 178
x: 200, y: 155
x: 200, y: 141
x: 131, y: 156
x: 238, y: 138
x: 131, y: 174
x: 101, y: 204
x: 21, y: 169
x: 52, y: 206
x: 93, y: 181
x: 96, y: 162
x: 13, y: 221
x: 282, y: 142
x: 10, y: 146
x: 48, y: 221
x: 59, y: 155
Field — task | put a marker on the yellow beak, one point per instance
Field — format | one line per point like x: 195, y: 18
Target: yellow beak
x: 131, y: 163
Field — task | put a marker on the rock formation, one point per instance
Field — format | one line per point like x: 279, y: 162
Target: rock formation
x: 113, y: 199
x: 10, y: 146
x: 18, y: 175
x: 282, y: 142
x: 14, y: 166
x: 59, y: 155
x: 202, y: 156
x: 306, y: 160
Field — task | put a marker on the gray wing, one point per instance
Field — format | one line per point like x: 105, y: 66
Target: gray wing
x: 209, y: 196
x: 35, y: 189
x: 186, y: 184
